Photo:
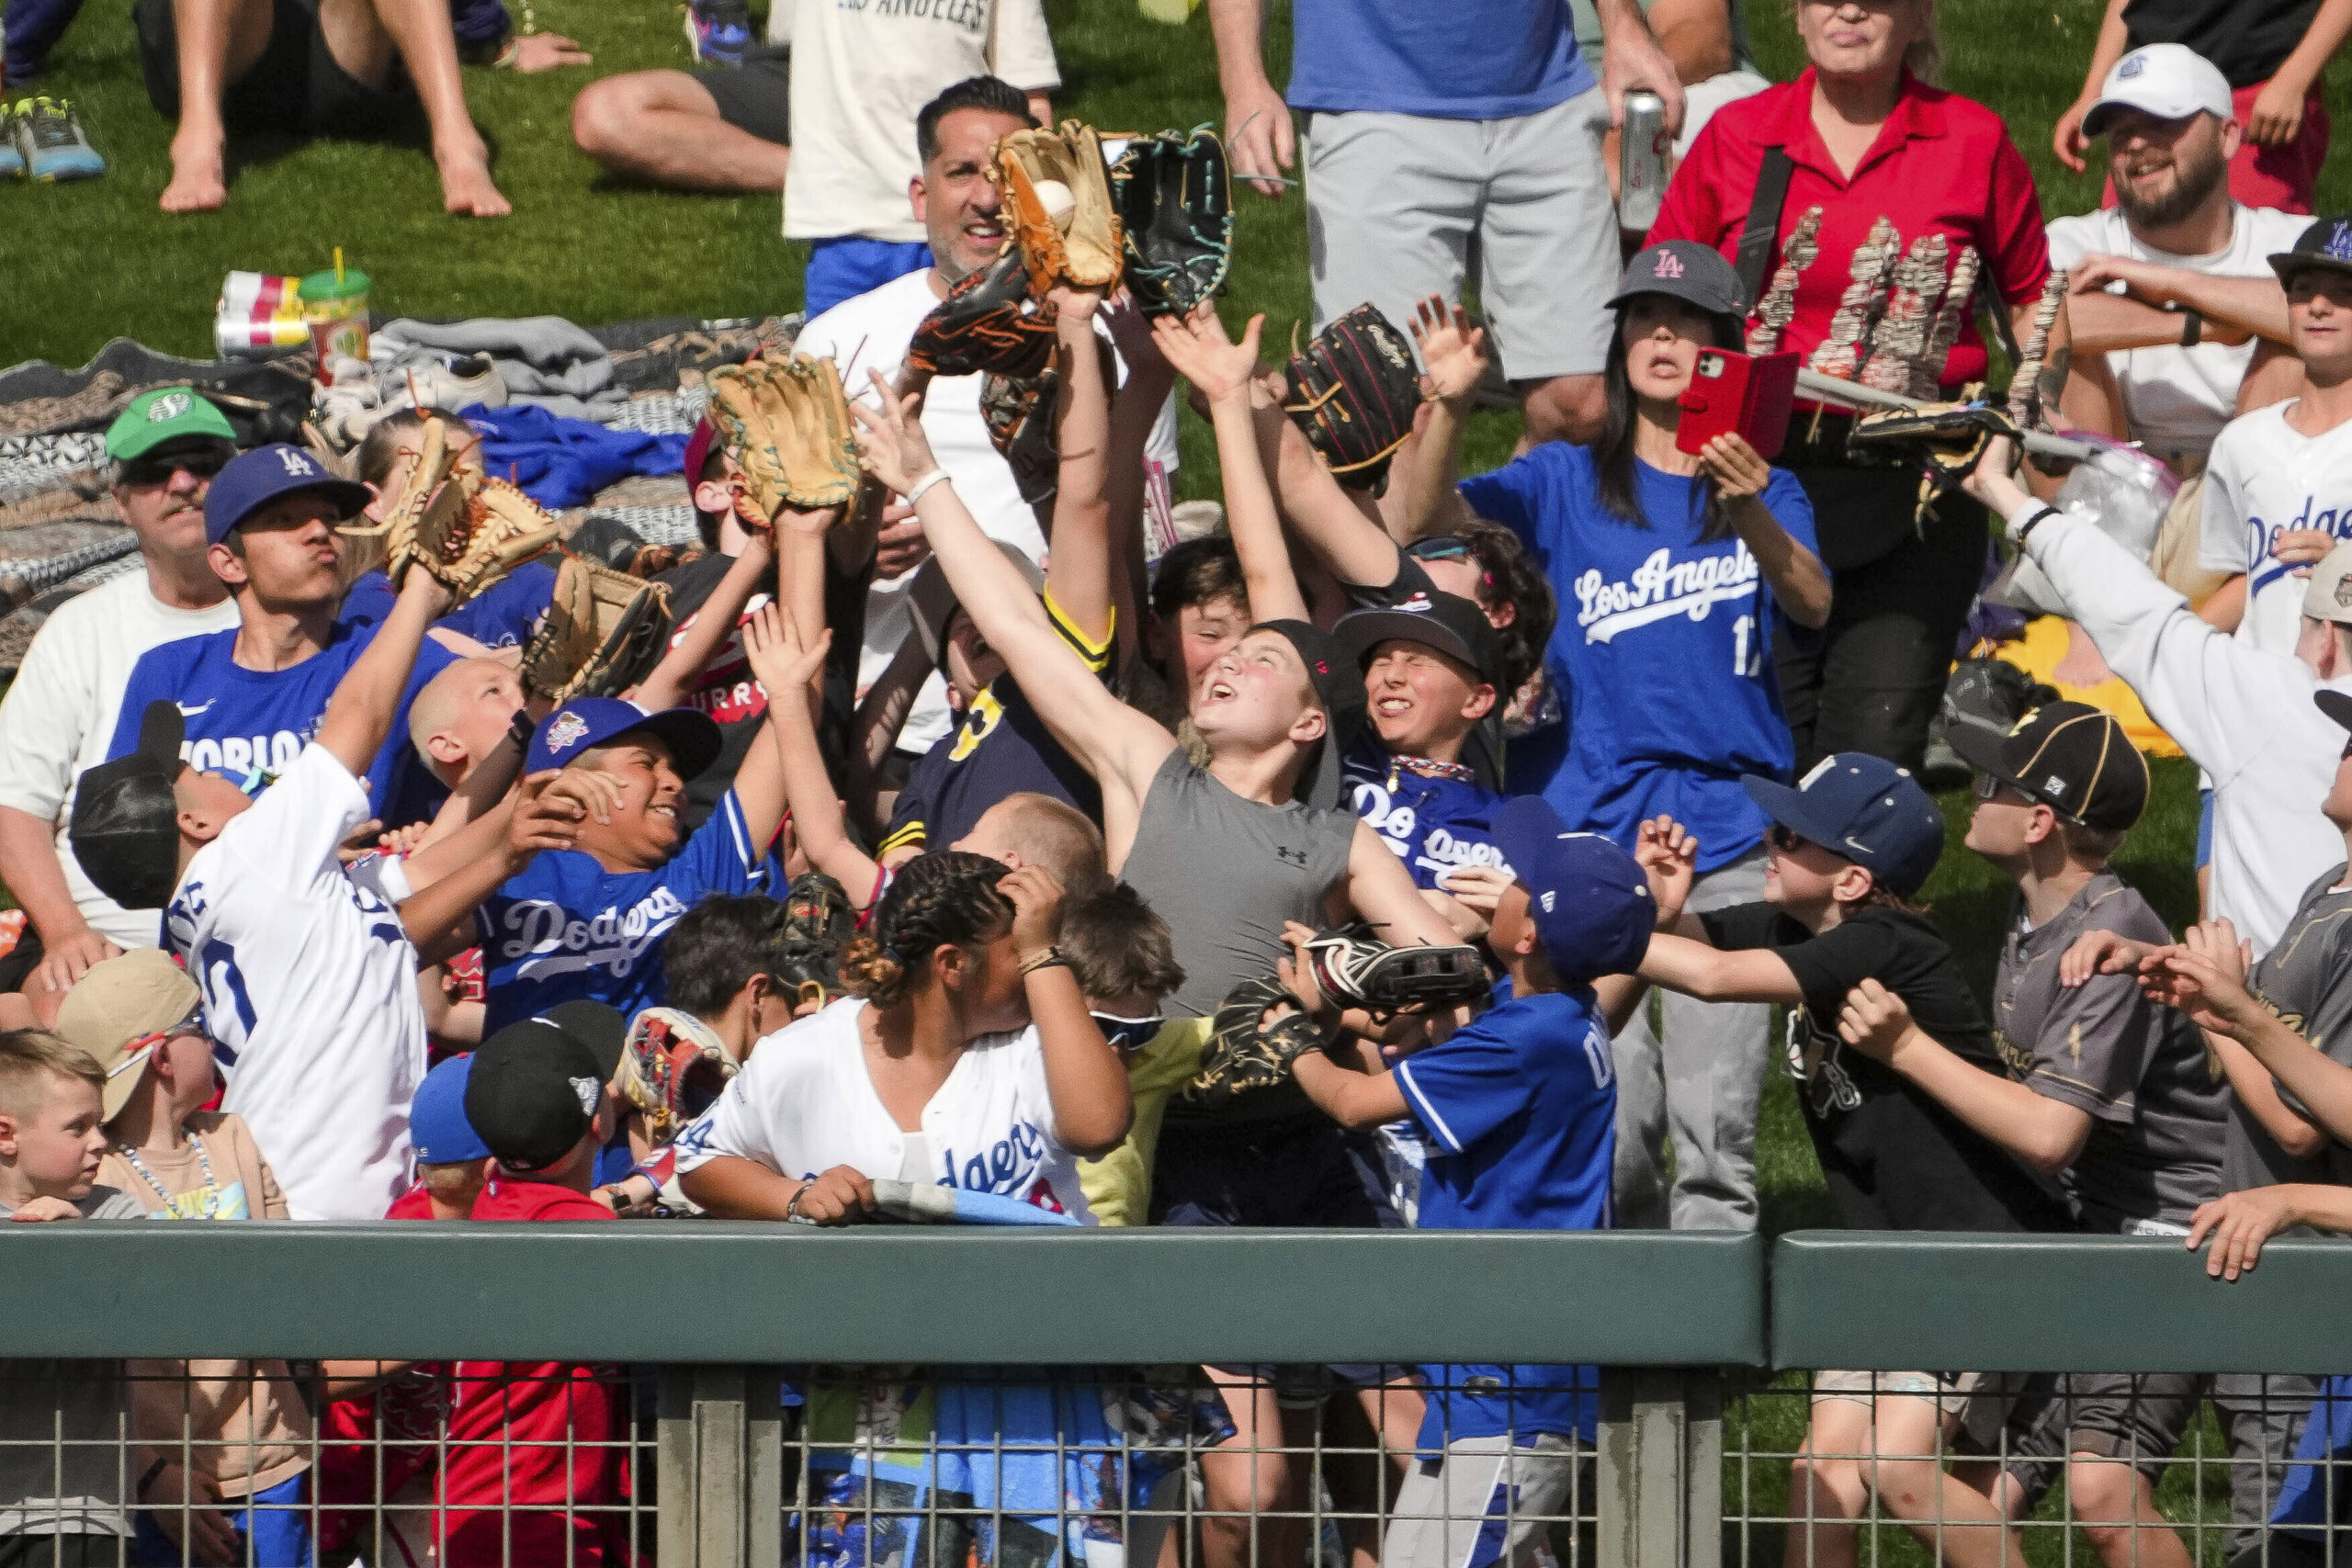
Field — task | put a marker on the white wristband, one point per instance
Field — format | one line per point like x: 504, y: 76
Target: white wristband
x: 914, y: 491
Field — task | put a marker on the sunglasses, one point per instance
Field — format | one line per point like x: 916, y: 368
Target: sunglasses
x: 1786, y: 839
x: 1445, y: 546
x: 147, y: 473
x: 1129, y: 1033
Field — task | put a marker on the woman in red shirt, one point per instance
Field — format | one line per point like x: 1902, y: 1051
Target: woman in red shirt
x: 1927, y: 186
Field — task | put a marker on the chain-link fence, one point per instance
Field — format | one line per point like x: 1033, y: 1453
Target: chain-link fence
x: 724, y: 1396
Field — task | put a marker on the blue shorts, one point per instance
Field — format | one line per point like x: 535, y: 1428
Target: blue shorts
x: 279, y: 1527
x: 850, y: 265
x: 2204, y: 829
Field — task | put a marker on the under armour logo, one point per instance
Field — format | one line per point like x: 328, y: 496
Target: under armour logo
x: 1669, y: 265
x: 296, y: 464
x: 1289, y: 856
x: 170, y: 406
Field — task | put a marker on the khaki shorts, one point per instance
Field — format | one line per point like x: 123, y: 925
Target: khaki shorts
x: 1981, y: 1402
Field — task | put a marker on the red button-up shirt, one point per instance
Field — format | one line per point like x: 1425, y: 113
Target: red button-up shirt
x: 1942, y: 164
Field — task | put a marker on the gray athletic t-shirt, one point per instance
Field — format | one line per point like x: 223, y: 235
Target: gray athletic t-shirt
x: 2155, y: 1096
x: 1226, y: 873
x: 2306, y: 979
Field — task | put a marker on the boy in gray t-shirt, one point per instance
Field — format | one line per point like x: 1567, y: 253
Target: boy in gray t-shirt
x: 61, y: 1421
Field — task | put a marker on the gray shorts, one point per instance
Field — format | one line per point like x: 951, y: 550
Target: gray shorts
x: 1398, y: 205
x: 1486, y: 1503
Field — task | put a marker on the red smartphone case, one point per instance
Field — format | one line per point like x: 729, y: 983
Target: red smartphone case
x: 1731, y: 392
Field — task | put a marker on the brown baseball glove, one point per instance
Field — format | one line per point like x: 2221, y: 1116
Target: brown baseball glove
x: 787, y: 421
x: 604, y: 631
x: 1080, y: 241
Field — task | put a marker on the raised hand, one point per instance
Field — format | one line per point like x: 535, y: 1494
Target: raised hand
x: 1668, y: 856
x: 1131, y: 334
x: 1453, y: 350
x: 1197, y: 346
x: 891, y: 444
x: 782, y: 658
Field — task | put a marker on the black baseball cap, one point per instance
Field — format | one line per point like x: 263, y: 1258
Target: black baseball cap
x: 2337, y: 705
x: 1453, y: 625
x: 126, y: 828
x: 600, y: 1028
x: 2071, y: 757
x: 1864, y: 809
x: 1687, y: 271
x: 2327, y: 242
x: 1337, y: 678
x: 533, y: 1092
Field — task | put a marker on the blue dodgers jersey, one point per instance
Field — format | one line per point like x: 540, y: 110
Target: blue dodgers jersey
x: 1435, y: 822
x: 501, y: 615
x: 1666, y: 642
x: 564, y: 928
x: 238, y: 719
x: 1519, y: 1113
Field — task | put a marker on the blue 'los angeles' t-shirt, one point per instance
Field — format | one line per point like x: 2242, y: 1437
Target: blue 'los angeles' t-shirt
x: 1463, y: 60
x: 1433, y: 816
x: 1665, y: 642
x: 563, y: 927
x: 1520, y: 1111
x: 237, y: 720
x: 501, y: 615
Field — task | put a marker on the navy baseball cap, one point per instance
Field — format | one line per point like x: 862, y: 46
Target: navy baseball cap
x: 586, y: 723
x: 436, y: 1120
x: 1864, y: 809
x: 1447, y: 622
x: 261, y: 476
x: 2327, y: 242
x: 1589, y: 901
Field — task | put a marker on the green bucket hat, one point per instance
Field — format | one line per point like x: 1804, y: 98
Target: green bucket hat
x: 167, y: 414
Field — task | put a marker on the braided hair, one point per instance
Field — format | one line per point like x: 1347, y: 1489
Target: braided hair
x: 945, y: 898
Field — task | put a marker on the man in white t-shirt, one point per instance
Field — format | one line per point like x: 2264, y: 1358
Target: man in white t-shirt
x: 953, y: 202
x: 60, y: 713
x: 2279, y: 491
x: 2173, y: 299
x: 308, y: 979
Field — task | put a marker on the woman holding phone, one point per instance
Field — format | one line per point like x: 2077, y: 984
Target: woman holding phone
x: 1669, y: 568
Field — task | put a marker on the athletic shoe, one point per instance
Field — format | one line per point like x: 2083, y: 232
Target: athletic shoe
x: 718, y: 32
x: 12, y: 163
x: 50, y: 138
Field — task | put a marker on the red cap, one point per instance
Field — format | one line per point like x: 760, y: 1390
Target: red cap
x: 698, y: 448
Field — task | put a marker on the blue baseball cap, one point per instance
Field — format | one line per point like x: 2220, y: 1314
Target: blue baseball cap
x: 1864, y: 809
x: 586, y: 723
x: 1591, y: 903
x: 436, y: 1120
x: 261, y: 476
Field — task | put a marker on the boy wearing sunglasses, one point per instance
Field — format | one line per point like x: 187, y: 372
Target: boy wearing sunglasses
x: 1848, y: 846
x: 59, y: 718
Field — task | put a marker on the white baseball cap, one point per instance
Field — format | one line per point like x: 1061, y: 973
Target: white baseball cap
x: 2170, y: 80
x: 2329, y: 596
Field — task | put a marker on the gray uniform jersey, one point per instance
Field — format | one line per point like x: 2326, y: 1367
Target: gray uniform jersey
x: 1226, y: 873
x: 2306, y: 979
x: 75, y: 1489
x: 2155, y: 1096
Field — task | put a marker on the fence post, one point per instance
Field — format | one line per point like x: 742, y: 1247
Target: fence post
x: 1660, y: 1468
x: 720, y: 1456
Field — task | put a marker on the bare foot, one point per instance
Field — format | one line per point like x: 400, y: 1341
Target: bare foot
x: 199, y: 183
x: 466, y: 185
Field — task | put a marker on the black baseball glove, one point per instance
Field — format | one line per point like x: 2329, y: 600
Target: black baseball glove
x: 988, y: 321
x: 1353, y: 389
x: 1174, y: 194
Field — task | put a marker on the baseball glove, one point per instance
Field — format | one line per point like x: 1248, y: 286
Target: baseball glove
x: 786, y: 422
x: 1175, y: 201
x: 470, y: 546
x: 1078, y: 244
x: 671, y: 1069
x: 1020, y: 414
x: 1353, y: 389
x: 603, y: 632
x: 816, y: 923
x: 1355, y: 970
x: 1245, y: 1051
x: 435, y: 485
x: 987, y: 322
x: 1947, y: 439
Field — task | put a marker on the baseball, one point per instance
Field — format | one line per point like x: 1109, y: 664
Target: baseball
x: 1055, y: 199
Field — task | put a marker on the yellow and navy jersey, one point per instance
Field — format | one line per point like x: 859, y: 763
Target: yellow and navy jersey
x: 1000, y: 747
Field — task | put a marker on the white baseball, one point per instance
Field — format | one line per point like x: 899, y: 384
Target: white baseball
x: 1058, y: 201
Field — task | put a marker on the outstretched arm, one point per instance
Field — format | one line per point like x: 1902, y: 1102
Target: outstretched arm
x: 1421, y: 499
x: 2044, y: 1133
x: 1120, y: 748
x: 791, y: 733
x: 1381, y: 891
x: 1078, y: 572
x: 360, y: 713
x: 1751, y: 975
x: 788, y: 673
x: 672, y: 678
x: 544, y: 813
x: 1201, y: 353
x: 1134, y: 411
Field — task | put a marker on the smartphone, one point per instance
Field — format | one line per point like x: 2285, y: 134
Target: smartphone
x: 1734, y: 393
